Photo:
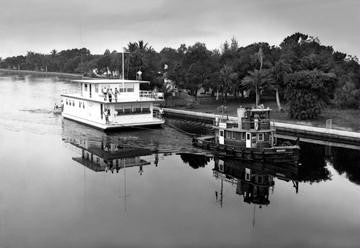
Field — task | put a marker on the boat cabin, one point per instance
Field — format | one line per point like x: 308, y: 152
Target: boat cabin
x: 251, y: 130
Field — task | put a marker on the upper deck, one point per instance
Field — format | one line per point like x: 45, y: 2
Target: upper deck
x: 114, y: 90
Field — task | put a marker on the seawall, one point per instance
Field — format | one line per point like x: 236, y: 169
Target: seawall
x: 319, y: 135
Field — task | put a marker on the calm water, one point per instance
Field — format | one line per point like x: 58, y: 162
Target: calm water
x: 175, y: 198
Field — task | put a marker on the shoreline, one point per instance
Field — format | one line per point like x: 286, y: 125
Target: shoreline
x: 44, y: 73
x: 319, y: 135
x: 341, y: 119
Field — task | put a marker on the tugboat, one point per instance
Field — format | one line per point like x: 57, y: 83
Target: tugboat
x: 251, y: 138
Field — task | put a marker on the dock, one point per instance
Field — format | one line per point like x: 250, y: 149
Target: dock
x: 318, y: 135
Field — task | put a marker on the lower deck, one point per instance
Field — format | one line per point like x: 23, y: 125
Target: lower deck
x: 110, y: 115
x: 115, y: 125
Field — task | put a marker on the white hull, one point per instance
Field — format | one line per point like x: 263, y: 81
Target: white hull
x: 153, y: 122
x: 111, y: 103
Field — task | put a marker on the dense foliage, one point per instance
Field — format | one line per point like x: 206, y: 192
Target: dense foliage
x: 308, y: 92
x: 301, y: 71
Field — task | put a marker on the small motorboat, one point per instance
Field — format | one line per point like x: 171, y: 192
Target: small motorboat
x: 58, y: 109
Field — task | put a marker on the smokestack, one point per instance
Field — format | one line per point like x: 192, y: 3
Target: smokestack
x: 240, y: 114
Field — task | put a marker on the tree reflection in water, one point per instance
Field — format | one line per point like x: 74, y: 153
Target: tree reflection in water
x: 313, y: 166
x: 346, y: 162
x: 195, y: 161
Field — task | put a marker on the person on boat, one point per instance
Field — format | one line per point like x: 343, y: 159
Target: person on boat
x: 105, y: 92
x: 116, y: 94
x: 256, y: 122
x: 107, y: 113
x: 110, y: 95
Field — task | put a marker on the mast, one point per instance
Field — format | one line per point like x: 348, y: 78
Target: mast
x: 122, y: 65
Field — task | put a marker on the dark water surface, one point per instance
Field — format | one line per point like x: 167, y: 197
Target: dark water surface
x: 175, y: 198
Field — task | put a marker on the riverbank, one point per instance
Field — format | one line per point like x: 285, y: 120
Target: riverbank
x: 342, y: 119
x: 41, y: 73
x: 289, y: 131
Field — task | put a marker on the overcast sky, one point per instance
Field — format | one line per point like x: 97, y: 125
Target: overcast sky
x: 43, y: 25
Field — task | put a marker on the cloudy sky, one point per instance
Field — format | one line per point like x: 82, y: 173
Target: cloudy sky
x: 43, y: 25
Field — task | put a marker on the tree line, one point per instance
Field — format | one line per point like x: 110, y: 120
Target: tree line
x: 300, y: 72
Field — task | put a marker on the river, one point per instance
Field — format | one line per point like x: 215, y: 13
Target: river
x: 178, y: 196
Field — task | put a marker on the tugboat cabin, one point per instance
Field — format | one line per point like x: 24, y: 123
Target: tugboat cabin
x: 252, y: 130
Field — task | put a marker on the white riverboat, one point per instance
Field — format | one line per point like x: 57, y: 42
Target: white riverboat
x: 112, y: 103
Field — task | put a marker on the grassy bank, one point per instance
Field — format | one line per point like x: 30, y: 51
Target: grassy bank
x: 344, y: 119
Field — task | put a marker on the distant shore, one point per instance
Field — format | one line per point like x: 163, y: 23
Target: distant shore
x: 44, y: 73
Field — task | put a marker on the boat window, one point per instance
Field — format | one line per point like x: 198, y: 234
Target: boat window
x: 261, y: 137
x: 228, y: 134
x: 73, y: 103
x: 83, y: 104
x: 247, y: 136
x: 79, y: 104
x: 85, y: 86
x: 243, y: 136
x: 127, y: 109
x: 137, y: 109
x: 247, y: 174
x: 237, y: 135
x: 119, y: 111
x: 129, y: 87
x: 145, y: 110
x: 221, y: 133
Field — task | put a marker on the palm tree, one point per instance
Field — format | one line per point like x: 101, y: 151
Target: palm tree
x: 227, y: 77
x: 53, y: 52
x: 256, y: 81
x: 278, y: 73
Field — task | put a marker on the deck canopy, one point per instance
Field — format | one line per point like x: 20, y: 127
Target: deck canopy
x: 109, y: 81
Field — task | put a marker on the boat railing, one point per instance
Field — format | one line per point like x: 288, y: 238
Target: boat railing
x: 144, y: 93
x: 251, y: 124
x: 151, y: 94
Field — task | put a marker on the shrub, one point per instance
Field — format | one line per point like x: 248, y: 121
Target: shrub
x: 308, y: 92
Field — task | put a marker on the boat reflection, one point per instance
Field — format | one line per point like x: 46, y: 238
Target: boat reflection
x: 110, y: 156
x: 252, y: 180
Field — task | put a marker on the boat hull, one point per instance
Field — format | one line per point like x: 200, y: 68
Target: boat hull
x: 115, y: 126
x: 276, y: 154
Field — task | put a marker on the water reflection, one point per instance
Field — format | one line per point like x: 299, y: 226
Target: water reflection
x: 111, y: 157
x: 346, y: 162
x: 57, y: 201
x: 313, y: 164
x: 253, y: 181
x: 195, y: 161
